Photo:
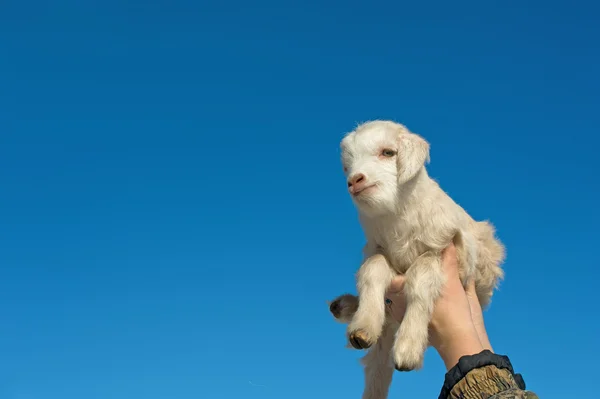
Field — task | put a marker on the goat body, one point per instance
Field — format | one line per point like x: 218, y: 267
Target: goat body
x: 408, y: 220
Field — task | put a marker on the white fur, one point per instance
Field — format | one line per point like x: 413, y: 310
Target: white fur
x: 408, y: 220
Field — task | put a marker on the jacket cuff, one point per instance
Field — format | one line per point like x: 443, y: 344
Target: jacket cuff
x: 470, y: 362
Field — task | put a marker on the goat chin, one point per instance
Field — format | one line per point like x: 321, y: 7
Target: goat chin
x: 408, y: 220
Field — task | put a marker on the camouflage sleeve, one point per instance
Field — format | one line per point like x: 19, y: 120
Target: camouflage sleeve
x: 489, y: 382
x: 484, y: 376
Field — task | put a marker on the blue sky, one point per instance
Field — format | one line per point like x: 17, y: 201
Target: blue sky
x: 174, y: 213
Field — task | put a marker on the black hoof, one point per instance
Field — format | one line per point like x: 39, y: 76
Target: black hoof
x: 402, y: 368
x: 359, y: 340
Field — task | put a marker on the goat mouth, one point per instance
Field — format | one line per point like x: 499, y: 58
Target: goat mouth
x: 363, y: 190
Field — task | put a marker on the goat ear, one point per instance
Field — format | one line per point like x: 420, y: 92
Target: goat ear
x: 413, y: 153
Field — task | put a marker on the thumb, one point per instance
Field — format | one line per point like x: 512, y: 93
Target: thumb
x: 397, y: 285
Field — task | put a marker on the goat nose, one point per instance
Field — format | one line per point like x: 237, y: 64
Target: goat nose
x: 356, y: 179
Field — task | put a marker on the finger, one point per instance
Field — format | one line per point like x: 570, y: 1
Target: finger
x: 450, y: 260
x: 471, y: 287
x: 472, y: 296
x: 449, y: 255
x: 449, y: 251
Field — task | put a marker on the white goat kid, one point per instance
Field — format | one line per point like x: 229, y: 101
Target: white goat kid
x: 408, y: 220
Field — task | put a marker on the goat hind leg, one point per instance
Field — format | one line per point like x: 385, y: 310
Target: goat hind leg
x: 378, y: 365
x: 344, y: 307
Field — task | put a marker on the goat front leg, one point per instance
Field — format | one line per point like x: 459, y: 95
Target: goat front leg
x: 378, y: 366
x: 424, y: 282
x: 373, y: 279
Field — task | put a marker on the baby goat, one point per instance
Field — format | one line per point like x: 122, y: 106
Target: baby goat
x: 407, y: 220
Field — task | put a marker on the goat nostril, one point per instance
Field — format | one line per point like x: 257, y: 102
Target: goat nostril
x: 356, y: 179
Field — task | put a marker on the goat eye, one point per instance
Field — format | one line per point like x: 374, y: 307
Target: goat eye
x: 388, y: 153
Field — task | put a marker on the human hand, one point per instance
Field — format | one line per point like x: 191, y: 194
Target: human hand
x: 456, y: 328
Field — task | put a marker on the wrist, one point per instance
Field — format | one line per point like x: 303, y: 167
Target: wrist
x: 454, y: 344
x: 483, y: 337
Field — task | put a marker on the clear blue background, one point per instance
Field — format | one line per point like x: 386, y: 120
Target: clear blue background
x: 174, y: 214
